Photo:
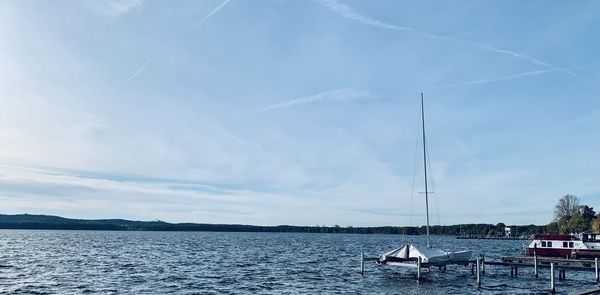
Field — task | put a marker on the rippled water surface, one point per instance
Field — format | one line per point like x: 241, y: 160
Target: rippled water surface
x: 105, y: 262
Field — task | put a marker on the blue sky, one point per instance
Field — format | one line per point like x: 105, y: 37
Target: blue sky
x: 298, y: 112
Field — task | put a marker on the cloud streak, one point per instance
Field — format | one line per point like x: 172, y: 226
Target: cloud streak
x: 209, y: 15
x: 344, y: 94
x: 33, y: 189
x: 120, y: 7
x: 138, y: 71
x: 347, y: 12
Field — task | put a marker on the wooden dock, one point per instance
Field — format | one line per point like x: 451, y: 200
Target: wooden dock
x: 533, y: 261
x: 478, y: 237
x: 514, y: 262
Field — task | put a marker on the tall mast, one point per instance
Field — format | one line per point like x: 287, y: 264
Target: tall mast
x: 425, y: 166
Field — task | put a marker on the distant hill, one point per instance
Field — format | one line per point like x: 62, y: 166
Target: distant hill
x: 28, y: 221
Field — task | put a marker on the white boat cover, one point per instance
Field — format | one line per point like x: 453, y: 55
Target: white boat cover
x: 411, y: 252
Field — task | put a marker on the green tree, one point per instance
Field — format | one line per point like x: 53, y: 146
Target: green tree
x: 596, y: 224
x: 552, y: 228
x: 564, y: 210
x: 588, y: 215
x: 576, y: 223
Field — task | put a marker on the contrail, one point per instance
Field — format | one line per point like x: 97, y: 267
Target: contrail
x: 143, y: 66
x: 481, y: 81
x: 139, y: 70
x: 209, y: 15
x: 347, y: 12
x: 344, y: 94
x: 522, y: 56
x: 514, y: 76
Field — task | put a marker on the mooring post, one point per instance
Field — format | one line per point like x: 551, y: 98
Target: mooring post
x: 535, y: 269
x: 478, y: 273
x: 419, y: 268
x: 596, y: 265
x: 552, y: 288
x: 483, y: 263
x: 362, y: 263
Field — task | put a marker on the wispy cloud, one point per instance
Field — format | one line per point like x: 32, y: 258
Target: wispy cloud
x: 35, y: 190
x: 138, y: 71
x: 120, y: 7
x: 347, y: 12
x: 344, y: 94
x: 209, y: 14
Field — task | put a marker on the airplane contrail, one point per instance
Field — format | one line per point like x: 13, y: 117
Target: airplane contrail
x: 344, y: 94
x: 347, y: 12
x: 209, y: 14
x: 143, y: 66
x: 138, y: 71
x: 522, y: 56
x: 514, y: 76
x: 510, y: 77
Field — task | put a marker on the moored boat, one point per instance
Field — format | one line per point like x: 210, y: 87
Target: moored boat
x: 412, y: 253
x: 586, y: 245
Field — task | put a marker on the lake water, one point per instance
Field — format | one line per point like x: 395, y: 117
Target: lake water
x: 105, y: 262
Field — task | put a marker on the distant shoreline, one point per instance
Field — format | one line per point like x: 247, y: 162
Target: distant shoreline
x: 49, y: 222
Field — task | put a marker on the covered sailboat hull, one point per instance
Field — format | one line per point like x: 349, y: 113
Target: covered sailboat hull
x: 410, y: 252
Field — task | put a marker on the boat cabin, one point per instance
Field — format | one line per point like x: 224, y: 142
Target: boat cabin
x: 565, y: 245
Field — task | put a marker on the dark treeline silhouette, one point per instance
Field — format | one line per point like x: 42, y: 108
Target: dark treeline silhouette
x: 28, y: 221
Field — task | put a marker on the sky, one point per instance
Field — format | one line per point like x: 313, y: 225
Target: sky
x: 297, y: 112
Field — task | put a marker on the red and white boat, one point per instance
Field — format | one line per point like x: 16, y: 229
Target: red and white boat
x: 573, y: 246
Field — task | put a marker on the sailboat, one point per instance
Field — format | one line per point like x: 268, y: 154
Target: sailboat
x: 409, y: 252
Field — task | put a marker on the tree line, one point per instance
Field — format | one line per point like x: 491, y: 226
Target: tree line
x: 570, y: 216
x: 28, y: 221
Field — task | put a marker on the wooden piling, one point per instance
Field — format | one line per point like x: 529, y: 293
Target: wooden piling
x: 596, y: 266
x: 535, y: 266
x: 552, y: 287
x: 483, y: 263
x: 478, y: 273
x: 419, y: 268
x: 362, y: 263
